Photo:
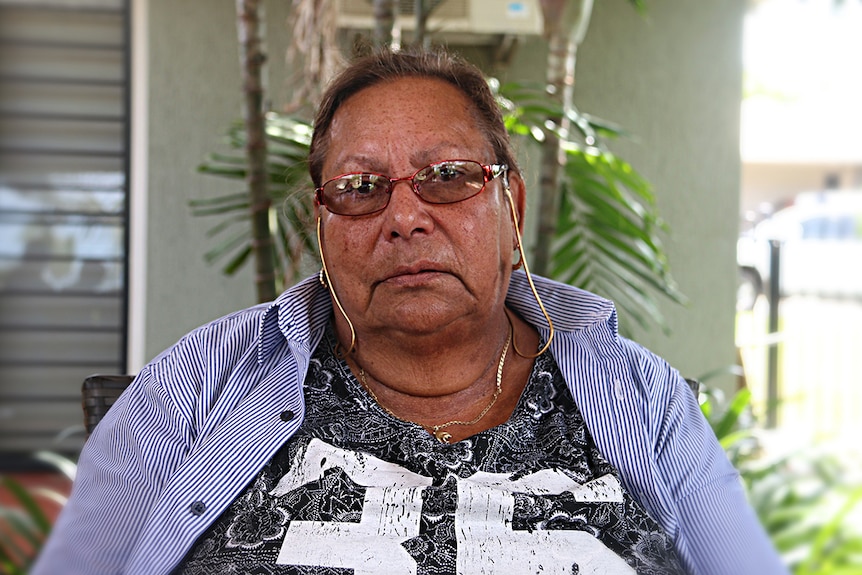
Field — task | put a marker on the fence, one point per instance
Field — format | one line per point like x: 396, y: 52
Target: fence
x: 819, y: 368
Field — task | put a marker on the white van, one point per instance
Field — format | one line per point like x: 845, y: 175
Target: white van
x: 820, y: 239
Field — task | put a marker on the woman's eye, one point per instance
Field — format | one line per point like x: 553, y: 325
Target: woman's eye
x: 360, y: 185
x: 363, y: 188
x: 446, y: 172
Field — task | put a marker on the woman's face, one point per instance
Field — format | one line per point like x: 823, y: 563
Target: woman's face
x: 415, y: 267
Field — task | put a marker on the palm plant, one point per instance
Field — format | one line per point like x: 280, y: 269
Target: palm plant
x: 287, y: 185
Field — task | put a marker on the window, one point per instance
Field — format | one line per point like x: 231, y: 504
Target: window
x: 63, y: 212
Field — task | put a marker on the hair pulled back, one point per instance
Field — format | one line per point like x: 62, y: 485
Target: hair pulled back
x: 384, y: 65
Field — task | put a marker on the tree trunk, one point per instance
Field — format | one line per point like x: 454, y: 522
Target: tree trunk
x: 384, y: 22
x: 421, y: 23
x: 252, y: 59
x: 566, y: 23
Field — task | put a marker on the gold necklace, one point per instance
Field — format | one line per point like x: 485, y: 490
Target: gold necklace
x: 438, y: 431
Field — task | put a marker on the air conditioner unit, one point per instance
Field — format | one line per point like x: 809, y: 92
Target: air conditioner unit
x: 452, y: 18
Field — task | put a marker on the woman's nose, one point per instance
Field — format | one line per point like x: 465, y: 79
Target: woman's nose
x: 406, y: 213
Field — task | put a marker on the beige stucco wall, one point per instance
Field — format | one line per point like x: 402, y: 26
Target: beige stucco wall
x: 672, y: 78
x: 194, y: 95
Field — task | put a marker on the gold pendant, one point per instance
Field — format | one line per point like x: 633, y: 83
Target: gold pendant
x: 442, y: 436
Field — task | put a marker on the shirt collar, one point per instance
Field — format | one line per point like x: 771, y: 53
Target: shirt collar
x: 298, y: 315
x: 570, y: 308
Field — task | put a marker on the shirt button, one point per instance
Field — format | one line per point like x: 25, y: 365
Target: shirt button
x: 197, y: 508
x: 287, y: 415
x: 618, y: 389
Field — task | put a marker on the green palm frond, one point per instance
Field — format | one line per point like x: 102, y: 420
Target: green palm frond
x: 289, y: 189
x: 607, y: 237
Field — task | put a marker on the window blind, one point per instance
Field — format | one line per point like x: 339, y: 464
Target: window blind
x: 63, y: 213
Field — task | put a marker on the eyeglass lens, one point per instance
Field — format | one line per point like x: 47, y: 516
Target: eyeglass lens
x: 440, y: 183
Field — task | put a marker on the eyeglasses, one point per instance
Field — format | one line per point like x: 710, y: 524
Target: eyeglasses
x: 447, y: 182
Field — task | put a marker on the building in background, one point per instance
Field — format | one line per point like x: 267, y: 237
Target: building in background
x: 801, y: 113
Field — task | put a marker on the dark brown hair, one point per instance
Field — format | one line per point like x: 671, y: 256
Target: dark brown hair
x: 384, y: 65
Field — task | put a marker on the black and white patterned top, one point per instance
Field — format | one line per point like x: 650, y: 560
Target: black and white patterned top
x: 357, y: 491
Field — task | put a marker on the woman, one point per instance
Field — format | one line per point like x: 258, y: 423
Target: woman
x: 418, y: 407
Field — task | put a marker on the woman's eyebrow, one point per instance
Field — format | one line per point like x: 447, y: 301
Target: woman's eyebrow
x: 361, y: 163
x: 439, y: 152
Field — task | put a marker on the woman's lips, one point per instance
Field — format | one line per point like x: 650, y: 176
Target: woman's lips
x: 415, y: 275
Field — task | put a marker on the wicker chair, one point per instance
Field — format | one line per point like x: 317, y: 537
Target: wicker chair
x: 98, y: 394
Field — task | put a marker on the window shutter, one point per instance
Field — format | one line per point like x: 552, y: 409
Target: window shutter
x: 63, y: 213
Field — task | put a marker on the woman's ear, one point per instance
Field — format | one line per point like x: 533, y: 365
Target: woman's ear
x: 518, y: 190
x: 316, y: 208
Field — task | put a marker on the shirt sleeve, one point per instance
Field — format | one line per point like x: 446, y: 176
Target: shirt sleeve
x: 719, y: 532
x: 122, y: 469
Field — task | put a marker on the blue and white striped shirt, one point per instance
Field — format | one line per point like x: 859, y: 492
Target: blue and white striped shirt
x: 202, y: 419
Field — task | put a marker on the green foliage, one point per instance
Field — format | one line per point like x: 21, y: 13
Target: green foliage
x: 24, y: 527
x: 608, y: 228
x: 607, y: 240
x: 289, y: 189
x: 804, y: 500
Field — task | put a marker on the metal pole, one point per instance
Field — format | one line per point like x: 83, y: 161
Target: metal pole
x: 772, y: 357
